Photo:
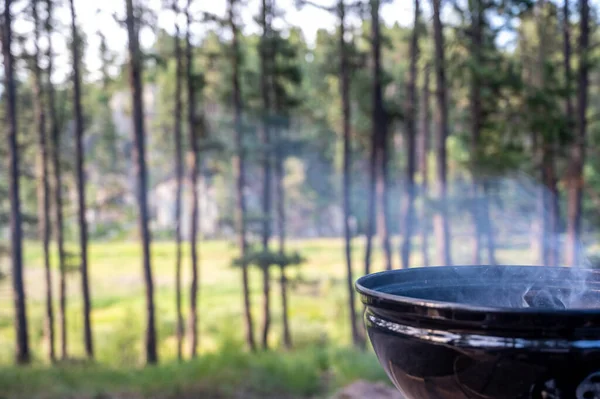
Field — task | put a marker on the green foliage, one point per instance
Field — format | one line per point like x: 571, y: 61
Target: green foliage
x: 265, y: 259
x: 310, y: 372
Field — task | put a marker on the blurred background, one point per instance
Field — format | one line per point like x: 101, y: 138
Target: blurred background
x: 190, y: 188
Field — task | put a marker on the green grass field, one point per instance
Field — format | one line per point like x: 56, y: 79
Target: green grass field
x: 321, y: 361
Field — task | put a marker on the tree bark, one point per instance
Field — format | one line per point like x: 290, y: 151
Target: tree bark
x: 22, y: 354
x: 139, y: 135
x: 347, y: 165
x: 411, y: 150
x: 487, y: 223
x: 179, y: 177
x: 381, y: 135
x: 378, y: 161
x: 57, y: 188
x: 239, y: 168
x: 279, y: 174
x: 548, y: 192
x: 79, y: 160
x: 43, y: 190
x: 577, y: 158
x: 372, y: 204
x: 440, y: 220
x: 266, y: 165
x: 424, y: 151
x: 571, y: 249
x: 476, y: 11
x: 193, y: 163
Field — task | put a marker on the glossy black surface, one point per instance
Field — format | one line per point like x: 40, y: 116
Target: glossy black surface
x: 487, y: 332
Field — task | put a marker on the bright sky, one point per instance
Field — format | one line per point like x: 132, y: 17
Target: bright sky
x: 98, y: 16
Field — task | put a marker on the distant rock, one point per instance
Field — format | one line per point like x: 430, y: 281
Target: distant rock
x: 365, y: 389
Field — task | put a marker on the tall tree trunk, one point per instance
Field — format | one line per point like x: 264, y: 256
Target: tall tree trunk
x: 279, y: 174
x: 477, y: 15
x: 179, y: 177
x: 193, y: 166
x: 346, y: 180
x: 266, y: 165
x: 577, y: 158
x: 139, y: 136
x: 381, y: 131
x: 571, y: 126
x: 57, y: 188
x: 383, y: 188
x: 22, y: 338
x: 42, y: 185
x: 378, y: 161
x: 487, y: 223
x: 424, y: 151
x: 550, y: 204
x: 411, y: 150
x: 372, y: 204
x: 567, y: 62
x: 440, y: 220
x: 79, y: 159
x: 548, y: 192
x: 239, y: 168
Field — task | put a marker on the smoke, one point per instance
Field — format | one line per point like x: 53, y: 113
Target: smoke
x: 511, y: 217
x: 497, y: 286
x: 514, y: 219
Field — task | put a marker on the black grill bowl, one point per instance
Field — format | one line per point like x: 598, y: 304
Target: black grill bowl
x: 486, y: 331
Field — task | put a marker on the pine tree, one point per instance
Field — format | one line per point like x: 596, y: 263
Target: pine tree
x: 179, y: 176
x: 22, y: 354
x: 79, y: 156
x: 577, y: 158
x: 57, y: 184
x: 42, y: 179
x: 239, y: 167
x: 440, y: 220
x: 139, y: 136
x: 193, y: 163
x: 411, y: 134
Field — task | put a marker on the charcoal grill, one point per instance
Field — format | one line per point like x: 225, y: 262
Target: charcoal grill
x: 486, y: 331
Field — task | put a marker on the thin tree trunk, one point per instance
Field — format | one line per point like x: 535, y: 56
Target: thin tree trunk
x: 424, y: 151
x: 577, y: 158
x: 381, y: 132
x: 567, y: 62
x: 22, y: 338
x: 487, y: 223
x: 372, y: 204
x: 79, y: 159
x: 539, y: 141
x: 239, y: 170
x: 43, y: 189
x: 139, y: 135
x: 551, y: 213
x: 279, y: 175
x: 377, y: 162
x: 266, y: 161
x: 548, y: 192
x: 346, y: 179
x: 193, y: 166
x: 383, y: 184
x: 411, y: 150
x: 57, y: 186
x: 440, y: 220
x: 568, y: 105
x: 179, y: 177
x: 476, y: 11
x: 476, y: 214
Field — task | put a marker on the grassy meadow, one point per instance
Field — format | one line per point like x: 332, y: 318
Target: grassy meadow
x: 320, y: 362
